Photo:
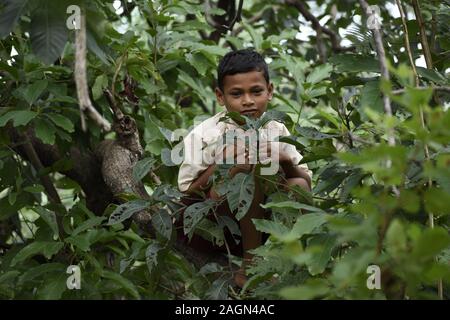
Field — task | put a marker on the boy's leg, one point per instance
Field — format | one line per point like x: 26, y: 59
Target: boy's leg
x: 296, y: 181
x: 251, y: 238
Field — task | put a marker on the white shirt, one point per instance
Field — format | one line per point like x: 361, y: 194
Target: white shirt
x: 202, y: 145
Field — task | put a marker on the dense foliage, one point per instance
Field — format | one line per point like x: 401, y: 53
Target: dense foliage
x: 372, y: 203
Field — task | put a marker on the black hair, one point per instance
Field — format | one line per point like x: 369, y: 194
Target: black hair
x: 241, y: 61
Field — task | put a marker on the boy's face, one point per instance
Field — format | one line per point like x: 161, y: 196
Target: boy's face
x: 247, y: 93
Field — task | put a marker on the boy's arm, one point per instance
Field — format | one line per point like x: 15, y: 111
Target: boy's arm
x: 293, y: 171
x: 201, y: 183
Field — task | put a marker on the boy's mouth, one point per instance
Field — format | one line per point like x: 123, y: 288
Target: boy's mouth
x: 249, y: 112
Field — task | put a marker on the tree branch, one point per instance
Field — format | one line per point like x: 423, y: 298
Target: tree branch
x: 334, y: 37
x: 423, y: 34
x: 81, y: 80
x: 383, y: 66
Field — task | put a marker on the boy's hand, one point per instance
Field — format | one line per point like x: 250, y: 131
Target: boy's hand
x: 240, y: 156
x: 271, y: 151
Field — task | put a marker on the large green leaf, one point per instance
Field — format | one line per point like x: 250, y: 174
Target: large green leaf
x: 162, y: 222
x: 274, y: 228
x: 32, y: 92
x: 218, y: 289
x: 319, y: 73
x: 354, y: 63
x: 123, y: 282
x: 45, y: 131
x: 320, y: 247
x: 49, y: 217
x: 292, y: 204
x: 19, y: 117
x: 126, y: 210
x: 10, y: 13
x: 194, y: 214
x: 151, y: 255
x: 49, y: 32
x: 61, y: 121
x: 240, y: 194
x: 53, y: 287
x: 47, y: 248
x: 88, y: 224
x: 142, y: 167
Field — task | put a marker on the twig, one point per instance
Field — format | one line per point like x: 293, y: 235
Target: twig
x: 252, y: 20
x: 383, y: 67
x: 407, y: 43
x: 423, y: 35
x: 81, y: 80
x: 50, y: 189
x: 435, y: 88
x: 334, y: 37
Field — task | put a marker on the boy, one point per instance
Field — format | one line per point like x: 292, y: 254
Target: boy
x: 243, y: 87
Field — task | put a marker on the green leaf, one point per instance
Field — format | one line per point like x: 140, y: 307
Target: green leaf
x: 434, y: 201
x: 88, y: 224
x: 371, y: 96
x: 162, y: 222
x: 431, y: 242
x: 256, y: 36
x: 122, y: 282
x: 311, y: 289
x: 218, y: 289
x: 100, y: 83
x: 45, y: 131
x: 34, y: 189
x: 319, y: 73
x: 47, y: 248
x: 199, y: 62
x: 40, y: 270
x: 354, y: 63
x: 320, y: 247
x: 49, y: 217
x: 142, y: 167
x: 19, y: 117
x: 33, y: 91
x: 396, y: 240
x: 151, y: 255
x: 210, y: 231
x: 61, y: 121
x: 274, y: 228
x: 126, y: 210
x: 432, y: 75
x: 11, y: 12
x: 240, y: 194
x: 82, y: 242
x: 53, y: 287
x: 194, y: 214
x: 312, y: 133
x: 49, y: 32
x: 305, y: 224
x: 292, y: 204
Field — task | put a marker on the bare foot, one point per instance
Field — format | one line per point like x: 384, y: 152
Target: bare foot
x: 240, y: 278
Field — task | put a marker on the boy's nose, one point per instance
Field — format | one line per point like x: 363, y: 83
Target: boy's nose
x: 248, y: 101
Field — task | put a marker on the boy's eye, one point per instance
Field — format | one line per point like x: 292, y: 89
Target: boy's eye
x: 257, y: 91
x: 235, y: 94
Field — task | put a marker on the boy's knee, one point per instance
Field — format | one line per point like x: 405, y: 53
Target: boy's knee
x: 297, y: 182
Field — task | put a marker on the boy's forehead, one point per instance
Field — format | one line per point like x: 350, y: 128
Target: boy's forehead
x: 249, y: 78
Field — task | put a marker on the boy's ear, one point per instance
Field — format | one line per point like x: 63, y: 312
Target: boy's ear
x: 219, y: 96
x: 270, y: 90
